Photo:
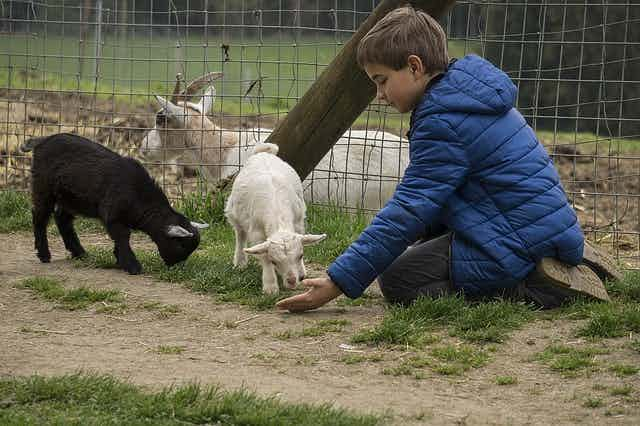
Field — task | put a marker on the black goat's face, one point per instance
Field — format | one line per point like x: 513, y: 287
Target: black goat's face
x: 179, y: 241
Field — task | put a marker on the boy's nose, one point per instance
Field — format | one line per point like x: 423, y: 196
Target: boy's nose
x: 381, y: 96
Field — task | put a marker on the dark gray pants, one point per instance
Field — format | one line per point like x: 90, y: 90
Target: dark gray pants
x: 423, y: 270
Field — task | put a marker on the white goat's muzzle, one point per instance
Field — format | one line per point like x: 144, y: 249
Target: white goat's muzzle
x: 292, y: 280
x: 151, y: 144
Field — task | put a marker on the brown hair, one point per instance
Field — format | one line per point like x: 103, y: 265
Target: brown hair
x: 403, y: 32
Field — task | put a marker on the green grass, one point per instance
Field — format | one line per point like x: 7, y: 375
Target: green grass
x: 103, y: 400
x: 625, y: 390
x: 624, y: 370
x: 210, y: 270
x: 360, y: 358
x: 73, y: 299
x: 506, y: 380
x: 593, y: 402
x: 473, y: 322
x: 170, y: 350
x: 569, y: 360
x: 318, y: 328
x: 447, y: 360
x: 15, y: 211
x: 322, y: 327
x: 454, y: 360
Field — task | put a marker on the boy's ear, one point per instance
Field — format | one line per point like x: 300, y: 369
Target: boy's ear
x: 415, y: 64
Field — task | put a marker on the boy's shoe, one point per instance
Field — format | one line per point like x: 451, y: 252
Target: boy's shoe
x: 601, y: 263
x: 572, y: 280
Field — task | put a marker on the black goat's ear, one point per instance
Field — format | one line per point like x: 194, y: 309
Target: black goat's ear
x: 178, y: 231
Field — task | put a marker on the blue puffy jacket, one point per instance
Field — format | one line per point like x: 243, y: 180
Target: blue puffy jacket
x: 477, y: 168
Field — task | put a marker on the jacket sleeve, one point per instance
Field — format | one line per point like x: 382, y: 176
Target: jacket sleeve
x: 438, y: 165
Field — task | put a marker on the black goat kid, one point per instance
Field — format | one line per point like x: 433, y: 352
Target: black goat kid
x: 72, y: 175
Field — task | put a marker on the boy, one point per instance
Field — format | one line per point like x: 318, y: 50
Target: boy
x: 480, y: 194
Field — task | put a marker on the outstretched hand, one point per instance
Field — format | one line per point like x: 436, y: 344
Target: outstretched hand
x: 321, y: 291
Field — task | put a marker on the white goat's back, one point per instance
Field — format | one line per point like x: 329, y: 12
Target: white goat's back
x: 267, y: 190
x: 362, y: 170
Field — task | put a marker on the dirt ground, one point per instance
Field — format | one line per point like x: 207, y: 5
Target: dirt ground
x: 234, y: 347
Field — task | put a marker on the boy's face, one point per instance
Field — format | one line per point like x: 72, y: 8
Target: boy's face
x: 402, y: 89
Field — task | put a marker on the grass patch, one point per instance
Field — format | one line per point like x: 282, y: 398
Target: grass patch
x: 621, y: 390
x: 15, y: 211
x: 569, y: 361
x: 74, y: 299
x: 170, y: 350
x: 360, y: 358
x: 624, y: 370
x: 593, y: 402
x: 446, y: 360
x: 506, y: 380
x: 454, y: 360
x: 162, y: 311
x: 627, y: 289
x: 210, y: 269
x: 320, y: 328
x: 607, y: 320
x: 473, y: 322
x: 89, y: 399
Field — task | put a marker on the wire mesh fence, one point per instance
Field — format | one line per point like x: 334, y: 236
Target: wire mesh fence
x: 95, y: 68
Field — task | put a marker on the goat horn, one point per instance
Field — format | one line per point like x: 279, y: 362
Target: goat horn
x: 176, y: 96
x: 197, y: 84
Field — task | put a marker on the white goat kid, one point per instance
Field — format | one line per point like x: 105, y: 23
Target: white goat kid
x: 266, y: 208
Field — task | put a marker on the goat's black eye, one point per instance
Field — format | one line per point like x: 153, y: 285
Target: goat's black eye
x: 161, y: 118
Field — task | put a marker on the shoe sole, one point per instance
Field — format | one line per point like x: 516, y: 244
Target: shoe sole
x: 579, y: 280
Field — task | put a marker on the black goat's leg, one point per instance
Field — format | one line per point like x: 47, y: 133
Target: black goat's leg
x: 120, y: 234
x: 40, y: 214
x: 64, y: 221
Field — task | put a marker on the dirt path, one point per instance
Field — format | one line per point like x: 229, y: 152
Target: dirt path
x: 238, y: 347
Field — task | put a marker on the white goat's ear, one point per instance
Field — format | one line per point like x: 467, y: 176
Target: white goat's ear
x: 309, y: 239
x: 260, y: 248
x: 172, y: 109
x: 199, y: 225
x: 178, y: 231
x: 206, y: 102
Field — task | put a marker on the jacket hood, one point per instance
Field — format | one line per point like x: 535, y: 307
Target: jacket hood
x: 470, y: 85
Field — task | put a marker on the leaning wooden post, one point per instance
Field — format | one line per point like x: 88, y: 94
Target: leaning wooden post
x: 336, y: 98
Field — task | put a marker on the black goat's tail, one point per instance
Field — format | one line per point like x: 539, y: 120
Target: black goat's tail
x: 29, y: 144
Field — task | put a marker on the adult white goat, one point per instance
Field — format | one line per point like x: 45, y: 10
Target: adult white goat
x: 266, y: 208
x: 361, y: 171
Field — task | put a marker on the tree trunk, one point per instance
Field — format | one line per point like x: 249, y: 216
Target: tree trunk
x: 336, y: 98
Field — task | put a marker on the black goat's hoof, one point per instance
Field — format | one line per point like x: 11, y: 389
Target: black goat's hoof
x: 44, y: 259
x: 78, y: 254
x: 134, y: 269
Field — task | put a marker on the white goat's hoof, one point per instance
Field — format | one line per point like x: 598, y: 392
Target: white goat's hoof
x: 271, y: 291
x: 241, y: 263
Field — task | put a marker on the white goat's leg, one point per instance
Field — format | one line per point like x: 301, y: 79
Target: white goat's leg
x: 239, y: 256
x: 269, y: 277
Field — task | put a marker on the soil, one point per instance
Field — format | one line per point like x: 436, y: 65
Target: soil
x: 236, y: 347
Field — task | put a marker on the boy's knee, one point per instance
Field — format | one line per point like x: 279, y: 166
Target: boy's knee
x: 393, y: 290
